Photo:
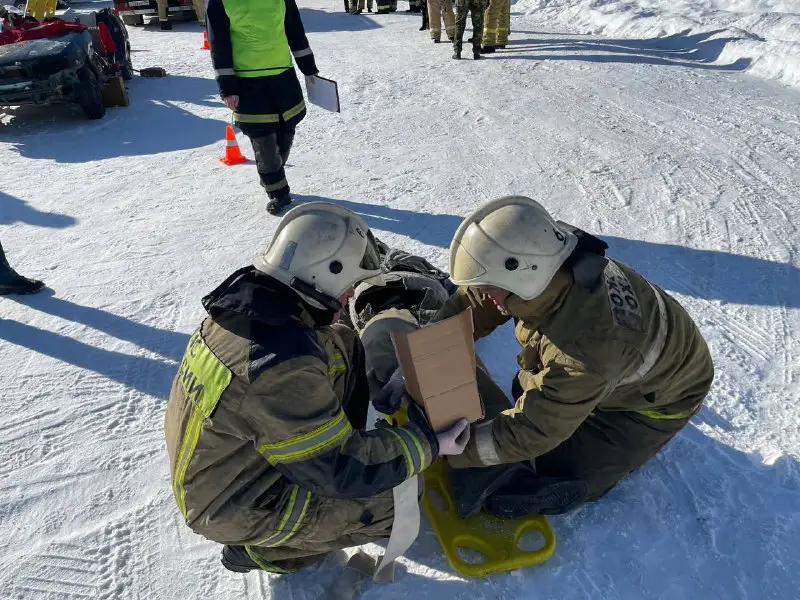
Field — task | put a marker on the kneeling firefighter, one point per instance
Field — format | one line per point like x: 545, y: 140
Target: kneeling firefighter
x: 252, y: 44
x: 265, y: 424
x: 611, y: 366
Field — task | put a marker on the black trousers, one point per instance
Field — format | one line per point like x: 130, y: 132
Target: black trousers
x: 272, y: 152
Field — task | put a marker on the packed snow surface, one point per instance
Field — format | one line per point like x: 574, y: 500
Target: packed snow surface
x: 688, y: 167
x: 761, y: 37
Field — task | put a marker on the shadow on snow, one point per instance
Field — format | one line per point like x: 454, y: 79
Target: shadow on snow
x: 155, y: 122
x: 15, y: 210
x: 682, y: 49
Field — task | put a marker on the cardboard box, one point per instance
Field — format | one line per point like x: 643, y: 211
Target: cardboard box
x: 438, y: 363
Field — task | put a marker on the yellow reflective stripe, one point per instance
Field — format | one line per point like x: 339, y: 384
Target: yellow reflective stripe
x: 294, y: 514
x: 654, y: 414
x: 248, y: 118
x: 406, y: 451
x: 190, y: 440
x: 337, y: 365
x: 276, y: 186
x: 419, y: 449
x: 320, y: 439
x: 203, y: 378
x: 295, y: 110
x: 265, y: 566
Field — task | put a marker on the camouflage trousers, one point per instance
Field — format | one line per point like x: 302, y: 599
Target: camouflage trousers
x: 476, y: 8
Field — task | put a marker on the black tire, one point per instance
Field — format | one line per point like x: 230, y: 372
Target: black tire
x: 133, y: 20
x: 89, y: 94
x: 127, y: 64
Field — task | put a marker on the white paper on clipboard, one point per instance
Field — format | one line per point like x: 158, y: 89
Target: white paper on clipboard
x: 323, y: 92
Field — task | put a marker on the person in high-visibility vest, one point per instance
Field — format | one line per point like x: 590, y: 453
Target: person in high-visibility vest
x: 252, y: 44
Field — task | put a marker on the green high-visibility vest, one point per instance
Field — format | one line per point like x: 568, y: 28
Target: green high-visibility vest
x: 258, y: 37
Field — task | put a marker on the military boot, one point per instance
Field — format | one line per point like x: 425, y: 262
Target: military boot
x: 488, y: 49
x: 457, y: 51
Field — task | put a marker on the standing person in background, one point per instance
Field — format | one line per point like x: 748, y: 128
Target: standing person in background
x: 496, y: 25
x: 252, y: 45
x: 12, y: 282
x: 163, y: 15
x: 200, y: 10
x: 438, y: 10
x: 386, y: 6
x: 357, y: 6
x: 476, y: 8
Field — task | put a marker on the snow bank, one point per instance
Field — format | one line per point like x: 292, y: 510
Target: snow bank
x: 760, y: 36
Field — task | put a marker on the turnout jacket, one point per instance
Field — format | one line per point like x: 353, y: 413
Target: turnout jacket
x: 619, y: 344
x: 252, y: 44
x: 257, y: 437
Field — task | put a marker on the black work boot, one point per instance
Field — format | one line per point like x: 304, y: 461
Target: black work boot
x: 236, y: 559
x: 538, y: 496
x: 12, y: 282
x: 488, y: 49
x: 457, y: 51
x: 17, y: 284
x: 476, y: 54
x: 276, y: 204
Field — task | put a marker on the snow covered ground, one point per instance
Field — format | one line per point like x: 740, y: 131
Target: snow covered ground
x: 690, y: 169
x: 761, y: 37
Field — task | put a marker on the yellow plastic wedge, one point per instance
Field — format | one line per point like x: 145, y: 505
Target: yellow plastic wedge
x: 498, y: 540
x: 41, y: 9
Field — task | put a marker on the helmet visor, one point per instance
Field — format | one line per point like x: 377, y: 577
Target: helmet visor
x: 372, y: 257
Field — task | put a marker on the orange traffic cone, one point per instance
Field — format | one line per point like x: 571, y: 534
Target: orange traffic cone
x: 205, y: 45
x: 233, y: 156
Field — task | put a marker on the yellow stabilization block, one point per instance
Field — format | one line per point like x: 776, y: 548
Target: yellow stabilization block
x: 498, y: 540
x: 40, y: 9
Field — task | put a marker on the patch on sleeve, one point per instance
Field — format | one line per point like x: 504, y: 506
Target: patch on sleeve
x: 626, y: 309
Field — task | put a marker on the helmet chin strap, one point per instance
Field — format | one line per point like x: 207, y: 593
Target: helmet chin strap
x: 305, y: 288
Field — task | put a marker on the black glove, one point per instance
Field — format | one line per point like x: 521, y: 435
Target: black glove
x: 389, y: 398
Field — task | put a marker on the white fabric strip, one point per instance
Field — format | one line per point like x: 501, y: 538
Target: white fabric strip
x: 484, y: 444
x: 405, y: 527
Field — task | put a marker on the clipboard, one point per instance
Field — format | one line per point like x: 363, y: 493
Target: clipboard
x: 323, y: 92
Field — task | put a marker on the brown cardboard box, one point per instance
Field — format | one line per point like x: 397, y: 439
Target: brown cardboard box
x: 438, y: 363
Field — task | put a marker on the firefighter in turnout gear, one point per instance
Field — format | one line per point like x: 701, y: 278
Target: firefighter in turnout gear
x: 265, y: 424
x: 439, y: 10
x: 496, y: 25
x: 252, y: 44
x: 611, y: 366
